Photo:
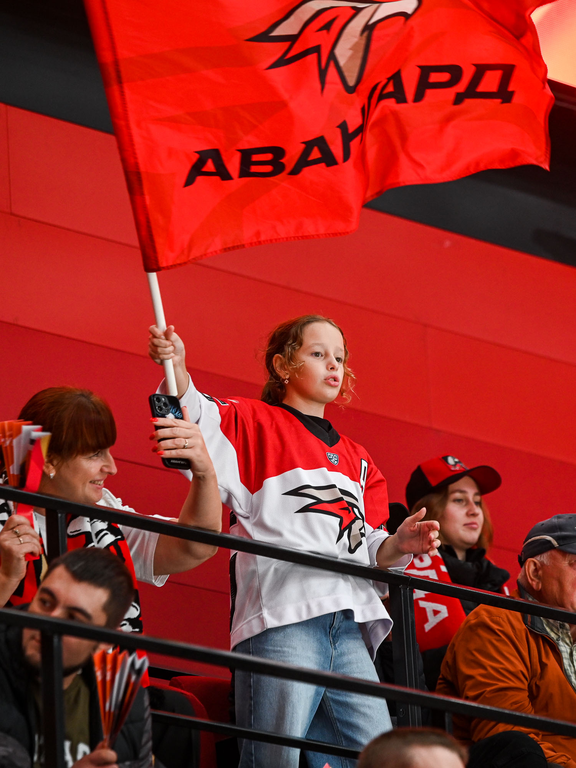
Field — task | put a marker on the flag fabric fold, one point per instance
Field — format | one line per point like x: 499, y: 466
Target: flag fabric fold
x: 267, y: 120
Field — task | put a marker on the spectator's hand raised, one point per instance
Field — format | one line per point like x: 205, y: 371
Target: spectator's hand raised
x: 17, y: 539
x: 166, y: 346
x: 417, y: 537
x: 183, y: 440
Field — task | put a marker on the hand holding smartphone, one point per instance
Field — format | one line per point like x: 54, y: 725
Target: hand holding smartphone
x: 168, y: 407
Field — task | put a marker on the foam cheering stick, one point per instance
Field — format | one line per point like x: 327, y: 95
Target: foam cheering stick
x: 24, y: 450
x: 118, y: 677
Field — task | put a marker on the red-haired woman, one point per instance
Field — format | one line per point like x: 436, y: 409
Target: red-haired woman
x: 77, y: 466
x: 291, y: 479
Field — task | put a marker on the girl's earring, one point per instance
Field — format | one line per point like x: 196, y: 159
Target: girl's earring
x: 51, y: 475
x: 286, y: 380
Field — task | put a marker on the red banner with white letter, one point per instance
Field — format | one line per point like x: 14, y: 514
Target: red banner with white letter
x: 241, y: 123
x: 437, y: 617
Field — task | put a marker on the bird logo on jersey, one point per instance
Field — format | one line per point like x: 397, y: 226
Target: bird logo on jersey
x: 336, y: 502
x: 337, y: 32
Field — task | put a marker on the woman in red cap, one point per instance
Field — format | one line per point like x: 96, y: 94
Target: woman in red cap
x: 452, y: 494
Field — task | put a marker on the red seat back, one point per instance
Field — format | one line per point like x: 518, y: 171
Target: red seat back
x: 213, y: 692
x: 207, y: 740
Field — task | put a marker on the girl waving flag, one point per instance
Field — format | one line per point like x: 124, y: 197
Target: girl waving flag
x: 290, y: 479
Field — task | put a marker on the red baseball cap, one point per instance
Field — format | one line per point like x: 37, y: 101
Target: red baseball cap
x: 437, y: 473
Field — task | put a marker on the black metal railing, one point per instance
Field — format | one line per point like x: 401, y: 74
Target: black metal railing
x: 410, y: 700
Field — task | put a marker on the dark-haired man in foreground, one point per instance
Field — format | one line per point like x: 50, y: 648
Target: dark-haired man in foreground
x: 91, y: 586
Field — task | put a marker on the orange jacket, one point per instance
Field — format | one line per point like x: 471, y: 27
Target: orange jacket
x: 506, y: 659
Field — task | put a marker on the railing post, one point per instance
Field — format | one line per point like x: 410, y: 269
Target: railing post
x: 56, y: 542
x: 405, y: 650
x: 52, y: 701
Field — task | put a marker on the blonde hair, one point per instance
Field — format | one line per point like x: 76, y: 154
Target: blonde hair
x: 285, y: 340
x: 435, y: 504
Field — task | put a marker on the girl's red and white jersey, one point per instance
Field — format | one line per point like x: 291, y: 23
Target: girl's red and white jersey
x: 293, y: 481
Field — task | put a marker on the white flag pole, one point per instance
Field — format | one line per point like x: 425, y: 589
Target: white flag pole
x: 171, y: 387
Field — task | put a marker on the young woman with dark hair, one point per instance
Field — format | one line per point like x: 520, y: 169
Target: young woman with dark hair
x: 290, y: 479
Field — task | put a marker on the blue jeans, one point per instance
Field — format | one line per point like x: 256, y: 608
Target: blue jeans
x: 331, y: 643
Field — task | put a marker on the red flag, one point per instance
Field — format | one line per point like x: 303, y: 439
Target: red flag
x: 241, y: 123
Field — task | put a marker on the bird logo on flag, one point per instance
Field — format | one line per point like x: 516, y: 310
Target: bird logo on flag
x: 337, y: 32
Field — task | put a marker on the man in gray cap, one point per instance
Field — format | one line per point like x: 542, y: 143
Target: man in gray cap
x: 520, y: 662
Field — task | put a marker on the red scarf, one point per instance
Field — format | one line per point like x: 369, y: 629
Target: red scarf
x: 437, y: 616
x: 82, y: 532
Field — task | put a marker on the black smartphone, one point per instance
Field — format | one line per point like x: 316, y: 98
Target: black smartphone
x: 168, y: 407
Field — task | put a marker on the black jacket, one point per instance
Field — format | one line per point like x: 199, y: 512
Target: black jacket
x: 475, y: 571
x: 18, y: 715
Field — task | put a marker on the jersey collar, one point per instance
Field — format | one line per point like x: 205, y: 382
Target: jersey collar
x: 320, y: 428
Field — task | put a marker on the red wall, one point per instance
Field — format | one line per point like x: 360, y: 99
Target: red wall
x: 459, y: 346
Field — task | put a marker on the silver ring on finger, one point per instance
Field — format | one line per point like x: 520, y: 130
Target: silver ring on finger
x: 186, y: 443
x: 20, y: 539
x: 16, y: 532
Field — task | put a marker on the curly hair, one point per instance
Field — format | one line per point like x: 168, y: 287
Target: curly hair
x: 285, y: 340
